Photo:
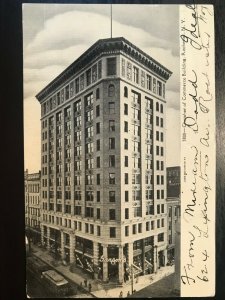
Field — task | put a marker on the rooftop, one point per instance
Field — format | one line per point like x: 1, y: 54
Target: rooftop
x: 103, y: 46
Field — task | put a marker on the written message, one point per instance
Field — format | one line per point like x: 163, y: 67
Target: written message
x: 197, y: 150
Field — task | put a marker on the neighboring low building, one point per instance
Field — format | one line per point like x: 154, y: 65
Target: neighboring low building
x: 32, y: 204
x: 173, y: 206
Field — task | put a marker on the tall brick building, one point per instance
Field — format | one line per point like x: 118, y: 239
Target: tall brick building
x: 103, y: 187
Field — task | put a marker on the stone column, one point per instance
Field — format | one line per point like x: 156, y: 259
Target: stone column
x: 48, y: 238
x: 72, y: 248
x: 62, y: 245
x: 42, y: 235
x: 121, y: 267
x: 96, y: 258
x: 105, y: 263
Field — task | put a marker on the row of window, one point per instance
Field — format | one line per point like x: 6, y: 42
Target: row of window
x: 32, y: 188
x: 131, y: 72
x: 71, y: 89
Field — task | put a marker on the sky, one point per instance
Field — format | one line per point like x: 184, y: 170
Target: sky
x: 55, y: 35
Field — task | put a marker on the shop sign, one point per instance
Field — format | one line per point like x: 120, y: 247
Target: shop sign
x: 113, y: 260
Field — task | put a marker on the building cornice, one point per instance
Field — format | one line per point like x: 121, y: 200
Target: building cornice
x: 102, y: 47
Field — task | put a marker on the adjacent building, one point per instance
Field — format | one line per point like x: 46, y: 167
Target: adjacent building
x: 103, y: 189
x: 32, y: 204
x: 173, y: 207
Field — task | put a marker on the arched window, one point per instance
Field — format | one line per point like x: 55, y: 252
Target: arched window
x: 157, y: 106
x: 111, y: 90
x: 161, y: 108
x: 125, y: 91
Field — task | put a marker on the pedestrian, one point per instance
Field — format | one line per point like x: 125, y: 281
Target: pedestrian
x: 121, y: 295
x: 85, y: 282
x: 89, y: 286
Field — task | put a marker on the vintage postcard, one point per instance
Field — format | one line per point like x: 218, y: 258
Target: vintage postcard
x: 119, y: 142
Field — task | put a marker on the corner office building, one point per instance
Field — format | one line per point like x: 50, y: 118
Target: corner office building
x: 103, y: 161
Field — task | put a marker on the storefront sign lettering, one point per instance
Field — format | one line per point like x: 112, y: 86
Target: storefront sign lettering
x: 113, y: 261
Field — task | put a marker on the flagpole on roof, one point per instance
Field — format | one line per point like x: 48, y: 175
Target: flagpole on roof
x: 111, y: 17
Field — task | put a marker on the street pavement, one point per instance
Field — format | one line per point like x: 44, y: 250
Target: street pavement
x: 99, y: 289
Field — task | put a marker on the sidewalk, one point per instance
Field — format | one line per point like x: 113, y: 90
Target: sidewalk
x: 101, y: 290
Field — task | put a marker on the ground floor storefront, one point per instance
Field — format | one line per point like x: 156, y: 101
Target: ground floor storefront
x: 106, y: 262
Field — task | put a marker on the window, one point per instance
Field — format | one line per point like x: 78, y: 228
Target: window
x: 126, y: 213
x: 161, y: 150
x: 97, y: 110
x: 98, y: 162
x: 67, y: 92
x: 98, y: 231
x: 125, y: 92
x: 162, y: 194
x: 112, y: 196
x: 157, y: 150
x: 97, y: 127
x: 136, y: 114
x: 162, y: 208
x: 162, y: 166
x: 140, y: 228
x: 89, y: 116
x: 158, y: 194
x: 89, y: 212
x: 158, y: 223
x: 126, y: 178
x: 88, y: 76
x: 97, y: 94
x: 112, y: 161
x: 157, y: 135
x: 111, y: 90
x: 111, y: 66
x: 158, y: 179
x: 158, y: 209
x: 99, y: 69
x: 89, y: 179
x: 86, y: 227
x: 157, y: 106
x: 98, y: 196
x: 161, y: 108
x: 89, y: 132
x: 161, y: 136
x: 157, y: 121
x: 134, y: 227
x: 161, y: 122
x: 112, y: 214
x: 89, y: 99
x: 162, y: 179
x: 112, y: 232
x: 98, y: 213
x: 89, y: 196
x: 149, y: 82
x: 126, y: 144
x: 126, y: 161
x: 98, y: 145
x: 161, y: 237
x: 126, y: 230
x: 125, y: 109
x: 136, y: 74
x: 77, y: 106
x: 147, y: 226
x: 162, y: 223
x: 111, y: 143
x: 111, y: 107
x: 137, y: 130
x: 98, y: 179
x: 125, y: 126
x: 112, y: 179
x: 111, y: 125
x: 77, y: 85
x: 159, y: 88
x: 126, y: 196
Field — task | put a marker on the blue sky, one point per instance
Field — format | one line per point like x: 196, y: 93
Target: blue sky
x: 54, y: 35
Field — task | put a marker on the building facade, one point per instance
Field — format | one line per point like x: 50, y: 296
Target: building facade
x: 32, y: 204
x: 173, y: 207
x: 103, y: 188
